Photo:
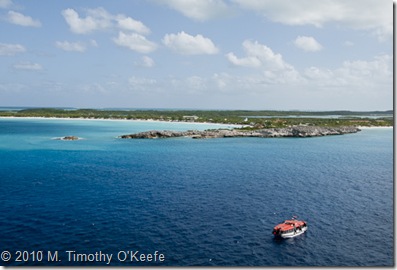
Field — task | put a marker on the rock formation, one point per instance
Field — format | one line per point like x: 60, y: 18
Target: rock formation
x: 297, y: 131
x: 69, y: 138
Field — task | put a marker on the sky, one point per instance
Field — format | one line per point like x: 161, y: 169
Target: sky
x: 197, y: 54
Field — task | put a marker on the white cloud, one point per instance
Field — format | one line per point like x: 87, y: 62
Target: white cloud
x: 78, y: 25
x: 11, y: 49
x: 100, y: 19
x: 365, y: 77
x: 374, y: 72
x: 359, y: 76
x: 71, y: 46
x: 5, y: 3
x: 135, y: 42
x: 316, y: 73
x: 353, y: 85
x: 28, y: 66
x: 146, y: 61
x: 222, y: 81
x: 249, y: 61
x: 128, y: 23
x: 371, y: 15
x: 22, y: 20
x: 196, y: 83
x: 308, y: 44
x: 189, y: 45
x: 355, y: 74
x: 259, y: 55
x: 199, y: 10
x: 271, y: 66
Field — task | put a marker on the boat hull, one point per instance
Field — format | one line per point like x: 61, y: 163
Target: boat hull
x: 290, y: 228
x: 293, y: 234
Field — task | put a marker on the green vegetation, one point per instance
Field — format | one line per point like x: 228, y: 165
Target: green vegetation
x: 252, y: 119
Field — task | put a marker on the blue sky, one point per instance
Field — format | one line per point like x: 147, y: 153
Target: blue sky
x: 204, y: 54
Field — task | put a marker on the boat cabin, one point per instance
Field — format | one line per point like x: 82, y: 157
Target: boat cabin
x: 290, y: 228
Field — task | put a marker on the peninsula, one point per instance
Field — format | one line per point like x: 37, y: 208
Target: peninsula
x: 298, y: 131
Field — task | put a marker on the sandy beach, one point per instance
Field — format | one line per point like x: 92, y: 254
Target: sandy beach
x: 116, y: 119
x: 364, y: 127
x: 145, y: 120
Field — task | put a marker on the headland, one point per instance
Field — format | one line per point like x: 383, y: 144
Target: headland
x: 298, y: 131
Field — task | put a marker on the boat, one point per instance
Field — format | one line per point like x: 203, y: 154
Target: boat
x: 290, y: 228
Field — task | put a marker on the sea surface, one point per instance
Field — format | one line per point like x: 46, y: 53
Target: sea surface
x: 210, y: 202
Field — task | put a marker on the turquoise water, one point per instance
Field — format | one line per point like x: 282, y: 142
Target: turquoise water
x: 36, y: 133
x: 199, y: 202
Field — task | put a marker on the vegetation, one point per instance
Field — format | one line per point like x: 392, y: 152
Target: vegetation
x: 251, y: 119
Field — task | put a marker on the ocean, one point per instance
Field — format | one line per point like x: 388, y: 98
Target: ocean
x: 186, y: 202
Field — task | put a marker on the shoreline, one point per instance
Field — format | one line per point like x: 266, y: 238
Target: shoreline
x: 150, y: 120
x: 298, y: 132
x: 116, y: 119
x: 373, y: 127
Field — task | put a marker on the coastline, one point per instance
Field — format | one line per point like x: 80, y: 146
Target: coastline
x: 372, y: 127
x: 118, y: 119
x: 151, y: 120
x: 298, y: 132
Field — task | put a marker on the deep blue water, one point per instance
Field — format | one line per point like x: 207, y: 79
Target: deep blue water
x: 199, y: 202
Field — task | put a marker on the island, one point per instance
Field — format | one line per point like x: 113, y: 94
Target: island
x: 257, y: 119
x: 68, y: 138
x: 296, y: 131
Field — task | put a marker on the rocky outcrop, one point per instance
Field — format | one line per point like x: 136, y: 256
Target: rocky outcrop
x: 68, y: 138
x: 298, y: 131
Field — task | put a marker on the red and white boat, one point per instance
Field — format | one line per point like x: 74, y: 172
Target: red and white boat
x: 290, y: 228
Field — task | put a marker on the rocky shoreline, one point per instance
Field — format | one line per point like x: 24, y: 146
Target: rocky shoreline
x: 297, y: 131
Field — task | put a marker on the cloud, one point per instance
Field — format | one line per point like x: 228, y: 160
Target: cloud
x: 370, y: 15
x: 71, y: 46
x: 146, y: 62
x: 83, y: 26
x: 11, y: 49
x: 358, y: 76
x: 374, y: 71
x: 28, y: 66
x: 250, y: 61
x: 308, y: 44
x: 199, y: 10
x: 22, y: 20
x: 259, y: 55
x: 354, y: 84
x: 189, y: 45
x: 272, y: 69
x: 128, y: 23
x: 100, y: 19
x: 135, y: 42
x: 354, y: 74
x: 5, y: 3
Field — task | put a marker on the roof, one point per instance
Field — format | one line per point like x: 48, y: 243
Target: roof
x: 289, y: 224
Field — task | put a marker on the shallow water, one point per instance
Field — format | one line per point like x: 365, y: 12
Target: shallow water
x: 198, y: 202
